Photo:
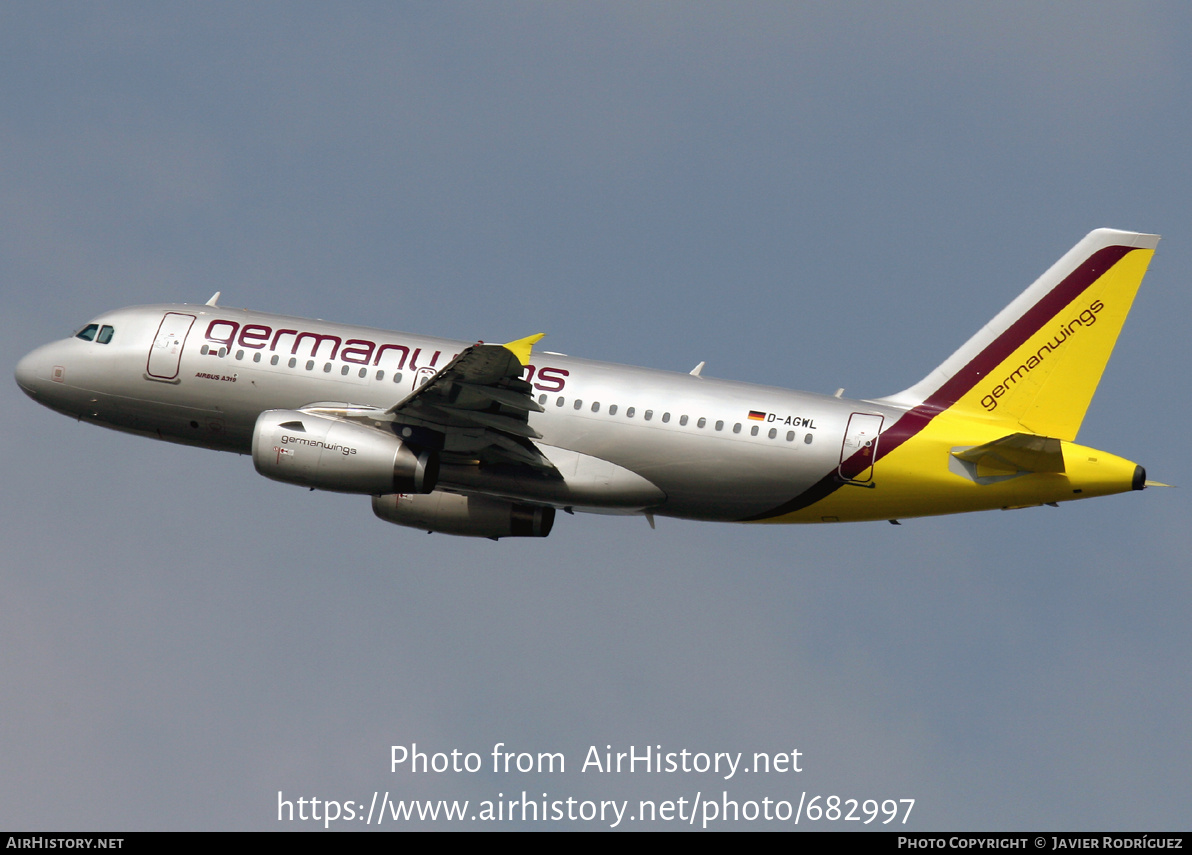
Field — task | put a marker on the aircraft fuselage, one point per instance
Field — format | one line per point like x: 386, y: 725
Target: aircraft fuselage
x: 687, y: 436
x: 505, y: 427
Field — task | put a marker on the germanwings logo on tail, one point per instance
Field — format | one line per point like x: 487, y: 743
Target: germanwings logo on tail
x: 1085, y: 319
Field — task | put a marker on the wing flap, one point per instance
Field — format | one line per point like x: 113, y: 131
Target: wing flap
x: 508, y: 397
x: 481, y: 393
x: 450, y: 416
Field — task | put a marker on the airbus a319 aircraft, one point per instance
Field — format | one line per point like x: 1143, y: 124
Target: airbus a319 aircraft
x: 489, y: 440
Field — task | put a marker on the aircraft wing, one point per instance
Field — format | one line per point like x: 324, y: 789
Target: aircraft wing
x: 479, y: 404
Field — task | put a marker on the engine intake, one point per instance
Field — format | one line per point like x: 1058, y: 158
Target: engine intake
x: 470, y: 516
x: 338, y: 455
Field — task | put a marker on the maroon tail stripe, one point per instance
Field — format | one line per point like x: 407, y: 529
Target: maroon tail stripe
x: 959, y: 384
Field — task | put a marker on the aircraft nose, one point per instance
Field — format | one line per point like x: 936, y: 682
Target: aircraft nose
x: 29, y: 373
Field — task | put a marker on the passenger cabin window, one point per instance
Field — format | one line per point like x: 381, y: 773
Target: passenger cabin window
x: 612, y: 409
x: 105, y: 334
x: 629, y: 412
x: 87, y: 333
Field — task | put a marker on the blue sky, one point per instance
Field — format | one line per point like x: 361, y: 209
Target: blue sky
x: 805, y: 195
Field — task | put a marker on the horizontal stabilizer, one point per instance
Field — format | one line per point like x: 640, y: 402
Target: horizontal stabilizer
x: 1016, y: 454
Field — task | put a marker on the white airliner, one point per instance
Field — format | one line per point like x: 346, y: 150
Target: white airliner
x: 489, y: 440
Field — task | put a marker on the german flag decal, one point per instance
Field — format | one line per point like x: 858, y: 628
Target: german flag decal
x: 756, y: 416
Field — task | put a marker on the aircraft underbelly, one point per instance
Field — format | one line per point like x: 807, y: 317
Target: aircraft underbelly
x: 187, y: 425
x: 712, y: 478
x: 577, y: 480
x: 689, y: 497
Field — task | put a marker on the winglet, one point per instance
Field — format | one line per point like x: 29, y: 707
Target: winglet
x: 521, y: 347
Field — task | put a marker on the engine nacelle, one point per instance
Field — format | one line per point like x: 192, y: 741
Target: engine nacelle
x: 333, y: 454
x: 470, y: 516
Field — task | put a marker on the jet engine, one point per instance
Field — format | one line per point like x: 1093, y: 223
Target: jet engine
x: 334, y: 454
x: 471, y: 516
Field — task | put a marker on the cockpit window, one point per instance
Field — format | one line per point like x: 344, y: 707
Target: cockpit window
x: 105, y: 334
x: 87, y: 333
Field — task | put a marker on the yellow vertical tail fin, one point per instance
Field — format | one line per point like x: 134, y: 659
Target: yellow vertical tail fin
x: 1036, y: 365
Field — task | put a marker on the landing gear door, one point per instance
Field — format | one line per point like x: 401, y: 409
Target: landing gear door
x: 859, y: 450
x: 166, y: 352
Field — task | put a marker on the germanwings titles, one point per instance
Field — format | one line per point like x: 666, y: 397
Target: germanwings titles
x: 489, y: 440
